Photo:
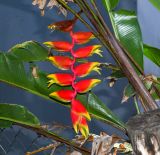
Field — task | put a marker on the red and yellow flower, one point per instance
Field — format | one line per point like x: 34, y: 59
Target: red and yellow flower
x: 79, y: 113
x: 86, y: 68
x: 82, y: 37
x: 61, y: 46
x: 85, y: 52
x: 62, y: 79
x: 61, y: 62
x: 63, y: 95
x: 84, y: 86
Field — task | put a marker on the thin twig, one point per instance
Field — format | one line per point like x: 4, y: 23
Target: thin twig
x: 50, y: 146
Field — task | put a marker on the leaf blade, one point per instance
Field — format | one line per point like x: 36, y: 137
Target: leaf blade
x: 16, y: 113
x: 153, y: 54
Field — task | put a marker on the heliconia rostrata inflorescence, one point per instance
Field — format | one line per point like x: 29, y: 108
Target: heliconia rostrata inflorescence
x: 79, y: 113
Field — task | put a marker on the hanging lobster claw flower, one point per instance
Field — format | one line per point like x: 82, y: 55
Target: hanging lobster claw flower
x: 61, y: 46
x: 62, y: 79
x: 86, y: 68
x: 64, y: 26
x: 88, y: 51
x: 61, y: 62
x: 79, y: 124
x: 84, y: 86
x: 82, y: 37
x: 63, y: 95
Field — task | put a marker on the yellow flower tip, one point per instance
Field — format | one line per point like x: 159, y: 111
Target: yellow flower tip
x: 84, y: 131
x: 50, y: 58
x: 88, y: 116
x: 97, y: 46
x: 50, y: 82
x: 76, y: 128
x: 98, y: 51
x: 52, y: 27
x: 95, y: 82
x: 97, y: 69
x: 48, y: 44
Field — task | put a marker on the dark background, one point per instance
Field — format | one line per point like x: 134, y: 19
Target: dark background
x: 20, y: 21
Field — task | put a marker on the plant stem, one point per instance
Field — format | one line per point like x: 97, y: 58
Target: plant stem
x: 136, y: 105
x: 51, y: 135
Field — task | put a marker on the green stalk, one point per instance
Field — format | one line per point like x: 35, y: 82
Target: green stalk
x: 136, y: 105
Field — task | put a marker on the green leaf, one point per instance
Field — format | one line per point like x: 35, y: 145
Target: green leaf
x: 5, y: 124
x: 29, y: 51
x: 12, y: 113
x: 111, y: 4
x: 156, y: 3
x: 13, y: 72
x: 153, y: 54
x: 100, y: 111
x: 128, y: 92
x: 127, y: 31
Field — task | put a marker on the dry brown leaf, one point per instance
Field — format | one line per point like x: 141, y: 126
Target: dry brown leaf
x: 43, y: 3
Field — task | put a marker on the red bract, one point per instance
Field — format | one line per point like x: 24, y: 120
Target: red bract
x: 61, y: 46
x: 79, y: 108
x: 65, y: 26
x: 86, y: 68
x: 61, y: 62
x: 84, y: 86
x: 82, y: 37
x: 85, y: 52
x: 62, y: 79
x: 63, y: 95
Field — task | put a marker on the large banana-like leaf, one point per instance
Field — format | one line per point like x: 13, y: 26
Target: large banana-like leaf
x: 100, y: 111
x: 156, y: 3
x: 153, y: 54
x: 12, y: 71
x: 10, y: 113
x: 29, y: 51
x: 127, y: 30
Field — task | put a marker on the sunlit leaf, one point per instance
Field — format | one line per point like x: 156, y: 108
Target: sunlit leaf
x: 29, y: 51
x: 100, y: 111
x: 127, y: 31
x: 153, y: 54
x: 156, y: 3
x: 128, y: 92
x: 10, y: 113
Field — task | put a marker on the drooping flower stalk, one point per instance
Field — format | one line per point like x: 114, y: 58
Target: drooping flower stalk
x: 79, y: 113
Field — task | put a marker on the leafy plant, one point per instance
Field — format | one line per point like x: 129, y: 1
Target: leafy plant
x: 63, y: 87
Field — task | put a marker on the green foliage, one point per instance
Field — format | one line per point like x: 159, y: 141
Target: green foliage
x: 127, y: 31
x: 100, y: 111
x: 153, y: 54
x: 128, y: 92
x: 156, y: 3
x: 13, y: 72
x: 110, y: 4
x: 29, y: 51
x: 12, y: 113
